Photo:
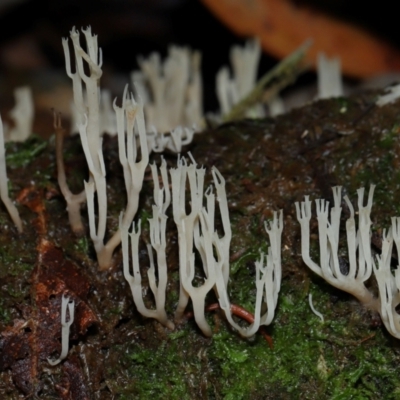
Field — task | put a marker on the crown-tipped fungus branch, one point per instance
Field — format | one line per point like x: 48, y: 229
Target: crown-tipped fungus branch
x: 357, y: 241
x: 389, y: 283
x: 162, y: 199
x: 86, y: 101
x: 173, y: 141
x: 133, y: 176
x: 268, y: 268
x: 170, y: 84
x: 86, y: 112
x: 268, y: 282
x: 185, y: 221
x: 12, y: 210
x: 197, y: 227
x: 361, y: 262
x: 96, y: 183
x: 202, y: 235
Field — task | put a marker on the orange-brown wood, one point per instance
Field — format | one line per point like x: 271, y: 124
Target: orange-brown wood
x: 283, y: 26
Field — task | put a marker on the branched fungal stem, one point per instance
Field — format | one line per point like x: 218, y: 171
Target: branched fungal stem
x: 158, y: 243
x: 65, y: 328
x: 74, y: 201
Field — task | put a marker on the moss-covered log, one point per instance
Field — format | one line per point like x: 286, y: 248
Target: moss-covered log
x: 115, y: 353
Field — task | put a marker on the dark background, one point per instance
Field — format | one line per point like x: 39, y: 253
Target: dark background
x: 31, y: 31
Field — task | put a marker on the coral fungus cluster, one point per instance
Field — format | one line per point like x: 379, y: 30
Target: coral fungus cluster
x: 168, y: 98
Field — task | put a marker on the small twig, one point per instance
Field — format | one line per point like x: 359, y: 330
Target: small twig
x: 285, y: 72
x: 365, y: 339
x: 241, y: 313
x: 369, y: 108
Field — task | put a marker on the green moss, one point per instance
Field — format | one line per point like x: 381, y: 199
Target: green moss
x: 389, y: 137
x: 241, y: 364
x: 113, y: 312
x: 173, y: 295
x: 343, y: 104
x: 144, y: 216
x: 242, y: 289
x: 82, y: 245
x: 333, y: 356
x: 240, y: 262
x: 5, y: 315
x: 340, y: 358
x: 12, y: 261
x: 27, y: 151
x: 155, y: 372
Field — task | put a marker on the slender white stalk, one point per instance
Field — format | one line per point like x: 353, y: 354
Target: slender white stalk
x: 329, y: 77
x: 107, y: 114
x: 226, y: 91
x: 73, y: 201
x: 93, y: 58
x: 12, y: 210
x: 86, y: 115
x: 273, y: 267
x: 79, y: 108
x: 133, y: 176
x: 388, y: 281
x: 268, y: 282
x: 158, y: 243
x: 185, y: 221
x: 135, y: 279
x: 97, y: 184
x: 225, y: 241
x: 317, y: 313
x: 203, y: 242
x: 65, y: 328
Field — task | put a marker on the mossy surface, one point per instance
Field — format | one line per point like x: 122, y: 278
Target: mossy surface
x: 268, y: 165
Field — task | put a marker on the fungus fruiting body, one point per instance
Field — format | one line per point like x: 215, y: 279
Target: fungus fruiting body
x: 199, y: 214
x: 66, y: 304
x: 361, y: 261
x: 12, y: 210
